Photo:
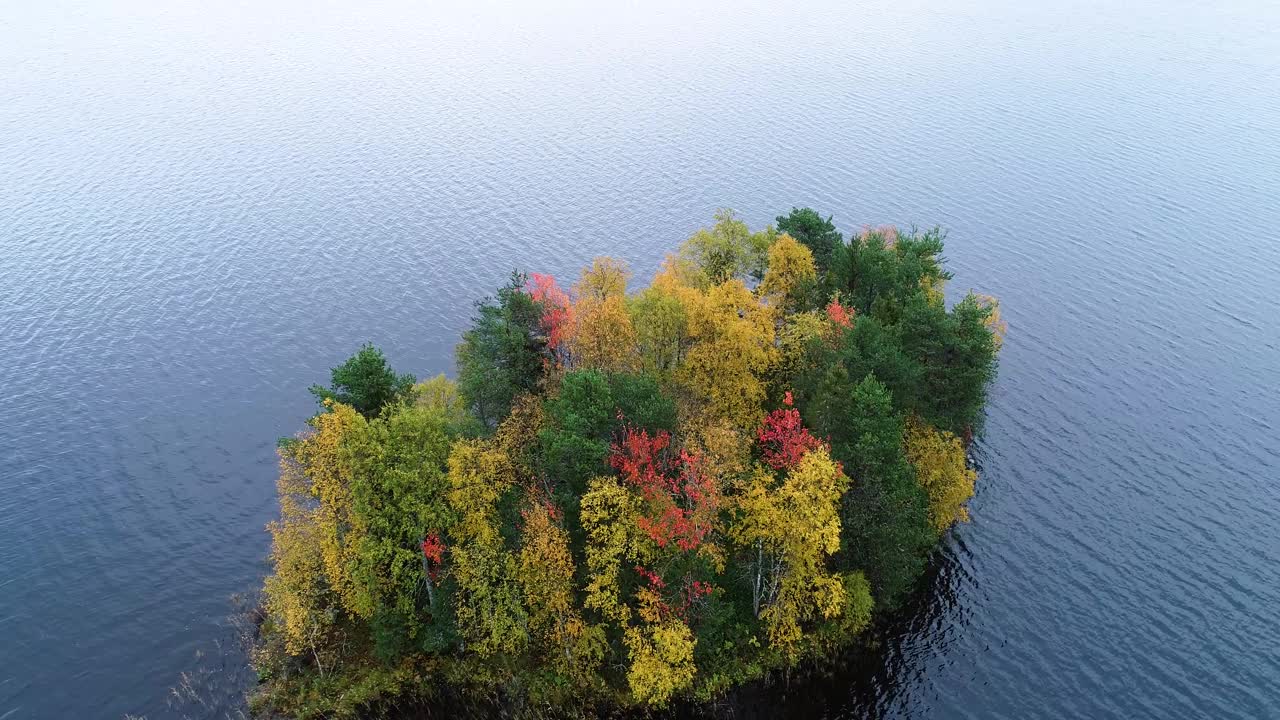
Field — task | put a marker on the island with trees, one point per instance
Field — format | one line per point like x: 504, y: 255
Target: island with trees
x: 631, y: 498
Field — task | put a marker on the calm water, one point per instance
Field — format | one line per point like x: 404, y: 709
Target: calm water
x: 205, y: 206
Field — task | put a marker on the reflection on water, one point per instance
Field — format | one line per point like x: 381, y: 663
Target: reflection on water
x: 204, y: 207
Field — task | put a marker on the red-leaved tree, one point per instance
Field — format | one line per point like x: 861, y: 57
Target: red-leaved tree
x: 783, y: 439
x: 680, y: 499
x: 839, y: 314
x: 557, y: 312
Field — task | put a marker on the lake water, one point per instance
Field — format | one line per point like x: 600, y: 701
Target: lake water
x: 203, y: 207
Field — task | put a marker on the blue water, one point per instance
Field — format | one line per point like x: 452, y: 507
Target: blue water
x: 204, y: 206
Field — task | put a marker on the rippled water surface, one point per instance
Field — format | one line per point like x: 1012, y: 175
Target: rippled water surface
x: 204, y: 206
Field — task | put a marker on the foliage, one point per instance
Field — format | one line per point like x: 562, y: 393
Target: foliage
x: 582, y: 418
x: 661, y: 661
x: 679, y: 499
x: 660, y: 323
x: 504, y: 352
x: 885, y: 529
x: 557, y: 311
x: 784, y: 441
x: 608, y: 516
x: 732, y: 349
x: 994, y: 322
x: 942, y: 470
x: 791, y: 528
x: 489, y: 608
x: 296, y: 594
x: 820, y: 236
x: 631, y: 499
x: 398, y: 491
x: 441, y: 395
x: 323, y: 459
x: 545, y: 569
x: 882, y: 268
x: 601, y: 335
x: 725, y: 251
x: 797, y: 335
x: 790, y: 275
x: 365, y: 382
x: 956, y: 354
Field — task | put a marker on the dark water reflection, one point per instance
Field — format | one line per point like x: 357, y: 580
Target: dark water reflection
x: 203, y: 207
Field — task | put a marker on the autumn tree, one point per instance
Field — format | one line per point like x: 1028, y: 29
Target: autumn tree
x: 315, y: 542
x: 364, y: 382
x: 323, y: 459
x: 608, y: 517
x: 798, y: 333
x: 443, y: 396
x: 679, y: 500
x: 675, y: 507
x: 783, y: 438
x: 723, y: 449
x: 661, y: 652
x: 789, y: 283
x: 489, y: 608
x: 557, y: 313
x: 732, y: 349
x: 994, y: 322
x: 296, y: 594
x: 660, y: 323
x: 545, y: 570
x: 838, y: 314
x: 726, y: 250
x: 789, y: 530
x: 601, y: 335
x: 942, y: 470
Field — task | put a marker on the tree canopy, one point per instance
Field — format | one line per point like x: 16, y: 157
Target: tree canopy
x: 365, y: 382
x: 817, y: 234
x: 632, y: 498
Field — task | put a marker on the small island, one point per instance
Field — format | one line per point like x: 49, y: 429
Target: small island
x: 629, y: 499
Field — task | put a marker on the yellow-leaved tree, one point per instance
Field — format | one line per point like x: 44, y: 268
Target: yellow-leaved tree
x: 490, y: 611
x: 942, y: 470
x: 324, y: 461
x: 517, y: 436
x: 296, y: 594
x: 723, y: 251
x: 315, y: 541
x: 441, y: 394
x: 658, y: 316
x: 608, y: 513
x: 795, y: 337
x: 791, y: 272
x: 601, y: 335
x: 545, y: 570
x: 723, y: 449
x: 789, y: 530
x: 661, y: 652
x: 994, y: 322
x: 731, y: 351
